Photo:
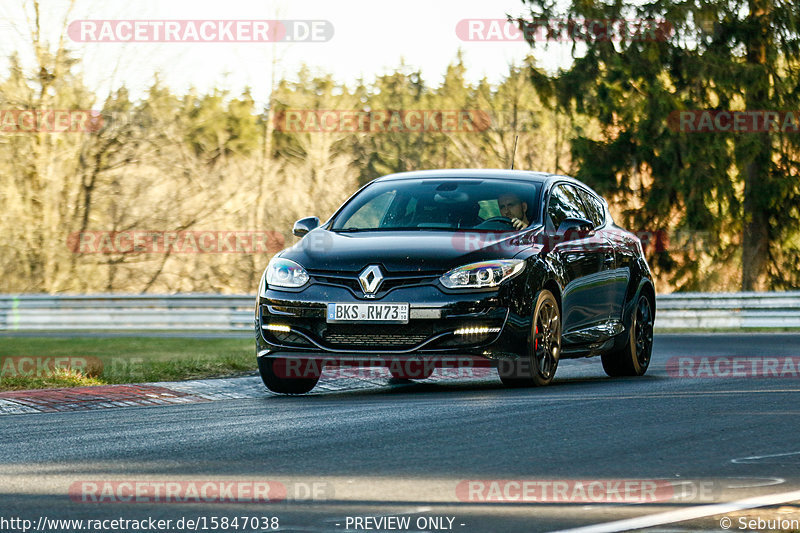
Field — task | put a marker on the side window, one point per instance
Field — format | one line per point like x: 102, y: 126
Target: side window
x: 488, y: 209
x: 564, y: 203
x: 400, y: 212
x: 594, y: 207
x: 371, y: 213
x: 411, y: 206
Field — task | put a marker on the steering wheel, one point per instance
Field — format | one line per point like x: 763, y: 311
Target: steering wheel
x: 501, y: 220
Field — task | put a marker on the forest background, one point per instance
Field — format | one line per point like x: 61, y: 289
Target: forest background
x: 718, y: 211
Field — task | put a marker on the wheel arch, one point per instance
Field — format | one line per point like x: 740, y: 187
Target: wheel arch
x: 552, y: 286
x: 646, y: 288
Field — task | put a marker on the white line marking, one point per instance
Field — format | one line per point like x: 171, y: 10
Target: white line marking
x: 747, y: 460
x: 769, y: 481
x: 688, y: 513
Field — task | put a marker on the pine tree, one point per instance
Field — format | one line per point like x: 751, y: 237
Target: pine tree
x: 689, y: 55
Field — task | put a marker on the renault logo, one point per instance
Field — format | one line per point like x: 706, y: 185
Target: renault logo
x: 370, y: 279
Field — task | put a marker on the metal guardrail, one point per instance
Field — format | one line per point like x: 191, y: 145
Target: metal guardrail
x: 728, y: 310
x: 197, y: 312
x: 104, y: 312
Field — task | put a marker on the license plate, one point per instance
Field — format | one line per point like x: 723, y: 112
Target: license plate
x: 368, y: 312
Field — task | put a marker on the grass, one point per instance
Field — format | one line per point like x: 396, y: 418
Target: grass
x: 44, y: 362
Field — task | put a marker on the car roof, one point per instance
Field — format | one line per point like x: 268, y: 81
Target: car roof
x: 546, y: 178
x: 523, y: 175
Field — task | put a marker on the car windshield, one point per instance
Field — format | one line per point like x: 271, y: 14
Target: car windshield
x: 448, y: 204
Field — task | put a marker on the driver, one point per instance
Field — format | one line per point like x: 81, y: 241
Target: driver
x: 512, y: 207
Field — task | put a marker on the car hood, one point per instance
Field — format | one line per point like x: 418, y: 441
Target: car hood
x: 404, y: 251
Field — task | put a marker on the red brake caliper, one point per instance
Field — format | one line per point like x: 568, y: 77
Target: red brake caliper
x: 536, y: 338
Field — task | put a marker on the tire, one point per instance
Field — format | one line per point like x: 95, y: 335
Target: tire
x: 410, y: 369
x: 543, y: 350
x: 634, y: 358
x: 276, y: 373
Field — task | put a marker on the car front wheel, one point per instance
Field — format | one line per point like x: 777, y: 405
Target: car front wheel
x: 544, y: 347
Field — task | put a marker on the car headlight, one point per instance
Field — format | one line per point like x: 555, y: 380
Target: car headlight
x: 483, y: 274
x: 285, y: 273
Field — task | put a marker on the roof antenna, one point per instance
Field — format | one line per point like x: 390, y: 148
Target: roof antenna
x: 514, y: 152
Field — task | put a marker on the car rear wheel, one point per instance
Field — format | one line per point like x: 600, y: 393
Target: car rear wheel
x: 288, y: 376
x: 544, y: 347
x: 634, y: 358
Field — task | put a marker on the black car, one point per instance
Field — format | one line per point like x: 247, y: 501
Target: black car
x: 504, y: 268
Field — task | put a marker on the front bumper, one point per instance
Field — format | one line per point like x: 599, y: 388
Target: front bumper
x: 499, y: 327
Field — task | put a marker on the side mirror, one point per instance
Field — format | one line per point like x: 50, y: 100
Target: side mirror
x: 575, y: 228
x: 304, y: 225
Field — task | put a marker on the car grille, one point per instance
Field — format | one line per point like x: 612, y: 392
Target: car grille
x: 384, y: 337
x: 393, y: 341
x: 291, y: 339
x: 390, y: 282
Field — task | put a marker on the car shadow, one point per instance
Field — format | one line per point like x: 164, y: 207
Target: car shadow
x: 391, y: 386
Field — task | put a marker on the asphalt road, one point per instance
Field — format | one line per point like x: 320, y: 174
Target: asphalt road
x: 410, y: 450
